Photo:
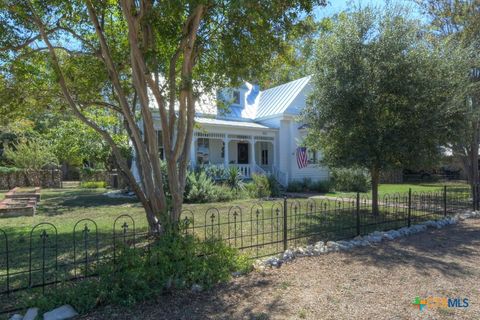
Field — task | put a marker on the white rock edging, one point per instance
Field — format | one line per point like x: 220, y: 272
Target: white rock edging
x: 359, y: 241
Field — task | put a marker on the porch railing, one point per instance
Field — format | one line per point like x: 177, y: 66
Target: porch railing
x: 245, y: 169
x: 259, y: 170
x: 281, y: 176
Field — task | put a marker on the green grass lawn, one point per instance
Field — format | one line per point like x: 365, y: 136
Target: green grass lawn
x: 404, y: 187
x: 64, y: 207
x: 255, y: 226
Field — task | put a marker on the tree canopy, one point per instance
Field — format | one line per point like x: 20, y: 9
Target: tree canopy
x: 118, y: 56
x: 380, y: 99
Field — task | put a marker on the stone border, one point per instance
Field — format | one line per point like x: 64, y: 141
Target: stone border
x: 373, y: 238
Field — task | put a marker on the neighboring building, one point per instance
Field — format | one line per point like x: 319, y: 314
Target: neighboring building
x: 257, y: 132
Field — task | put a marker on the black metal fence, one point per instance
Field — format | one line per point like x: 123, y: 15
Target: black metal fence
x: 44, y: 257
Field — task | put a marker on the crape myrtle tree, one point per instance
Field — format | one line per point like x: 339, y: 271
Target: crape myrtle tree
x: 120, y: 55
x: 380, y: 99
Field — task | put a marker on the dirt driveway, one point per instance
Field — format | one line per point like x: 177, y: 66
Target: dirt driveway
x: 370, y: 283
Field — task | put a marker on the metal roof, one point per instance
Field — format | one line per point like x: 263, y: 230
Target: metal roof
x: 230, y: 123
x: 277, y: 99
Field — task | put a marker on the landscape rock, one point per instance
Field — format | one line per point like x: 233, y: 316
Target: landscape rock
x: 31, y: 314
x: 16, y: 317
x: 197, y: 288
x: 288, y: 255
x: 375, y: 237
x: 62, y: 313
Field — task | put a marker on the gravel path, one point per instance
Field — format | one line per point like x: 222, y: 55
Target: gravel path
x: 369, y: 283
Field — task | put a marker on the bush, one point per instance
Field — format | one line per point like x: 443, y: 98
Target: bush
x: 274, y: 186
x: 214, y: 172
x: 295, y: 186
x: 263, y: 186
x: 174, y: 261
x: 307, y: 185
x: 351, y: 179
x: 224, y: 193
x: 260, y: 187
x: 31, y: 155
x: 323, y: 186
x: 7, y: 170
x: 233, y: 179
x: 93, y: 184
x: 200, y: 188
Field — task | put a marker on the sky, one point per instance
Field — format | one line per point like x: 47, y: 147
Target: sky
x: 337, y: 6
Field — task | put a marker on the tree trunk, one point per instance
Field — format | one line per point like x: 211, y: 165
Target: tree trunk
x: 177, y: 133
x: 375, y: 173
x: 474, y: 157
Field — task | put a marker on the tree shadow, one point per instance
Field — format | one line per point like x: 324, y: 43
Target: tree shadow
x: 70, y: 201
x: 427, y: 251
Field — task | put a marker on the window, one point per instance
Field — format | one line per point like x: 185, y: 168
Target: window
x: 312, y: 156
x: 161, y: 150
x: 222, y: 155
x: 236, y: 97
x: 202, y: 151
x: 264, y: 157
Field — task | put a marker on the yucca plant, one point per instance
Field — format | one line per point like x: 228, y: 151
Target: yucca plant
x: 234, y: 179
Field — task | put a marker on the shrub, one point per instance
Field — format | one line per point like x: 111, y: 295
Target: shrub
x: 174, y: 261
x: 200, y: 188
x: 31, y: 155
x: 351, y: 179
x: 224, y: 193
x: 7, y: 170
x: 307, y: 185
x: 215, y: 172
x: 295, y: 186
x: 263, y: 186
x: 274, y: 186
x: 260, y: 187
x: 234, y: 179
x: 323, y: 186
x: 93, y: 184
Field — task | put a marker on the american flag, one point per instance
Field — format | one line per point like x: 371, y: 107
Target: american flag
x: 302, y: 158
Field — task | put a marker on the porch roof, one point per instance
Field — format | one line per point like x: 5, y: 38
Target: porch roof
x: 231, y: 123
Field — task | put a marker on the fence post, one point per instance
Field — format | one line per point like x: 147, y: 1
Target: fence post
x: 409, y: 223
x: 285, y: 225
x: 476, y: 203
x: 358, y: 213
x: 444, y: 201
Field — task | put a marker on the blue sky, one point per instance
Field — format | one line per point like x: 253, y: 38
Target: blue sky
x: 336, y: 6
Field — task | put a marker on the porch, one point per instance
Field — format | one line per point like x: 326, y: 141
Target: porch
x: 249, y: 153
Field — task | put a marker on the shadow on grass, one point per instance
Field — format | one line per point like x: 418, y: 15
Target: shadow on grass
x: 72, y: 200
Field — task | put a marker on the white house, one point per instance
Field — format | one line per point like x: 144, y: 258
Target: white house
x: 258, y: 132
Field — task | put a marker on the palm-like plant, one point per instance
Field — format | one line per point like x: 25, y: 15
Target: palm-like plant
x: 234, y: 179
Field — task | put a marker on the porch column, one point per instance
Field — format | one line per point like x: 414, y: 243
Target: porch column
x: 225, y: 152
x: 252, y: 142
x: 193, y: 156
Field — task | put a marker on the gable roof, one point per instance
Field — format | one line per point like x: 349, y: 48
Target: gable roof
x: 277, y: 99
x: 257, y: 104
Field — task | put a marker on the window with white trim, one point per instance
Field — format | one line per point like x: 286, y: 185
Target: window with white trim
x: 312, y: 156
x: 203, y: 151
x: 236, y: 97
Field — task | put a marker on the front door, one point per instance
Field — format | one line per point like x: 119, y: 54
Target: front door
x: 242, y: 153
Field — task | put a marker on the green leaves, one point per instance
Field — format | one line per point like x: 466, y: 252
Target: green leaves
x: 32, y: 155
x: 380, y: 95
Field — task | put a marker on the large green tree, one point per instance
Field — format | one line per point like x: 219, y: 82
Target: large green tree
x: 458, y: 23
x: 380, y: 99
x: 120, y: 55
